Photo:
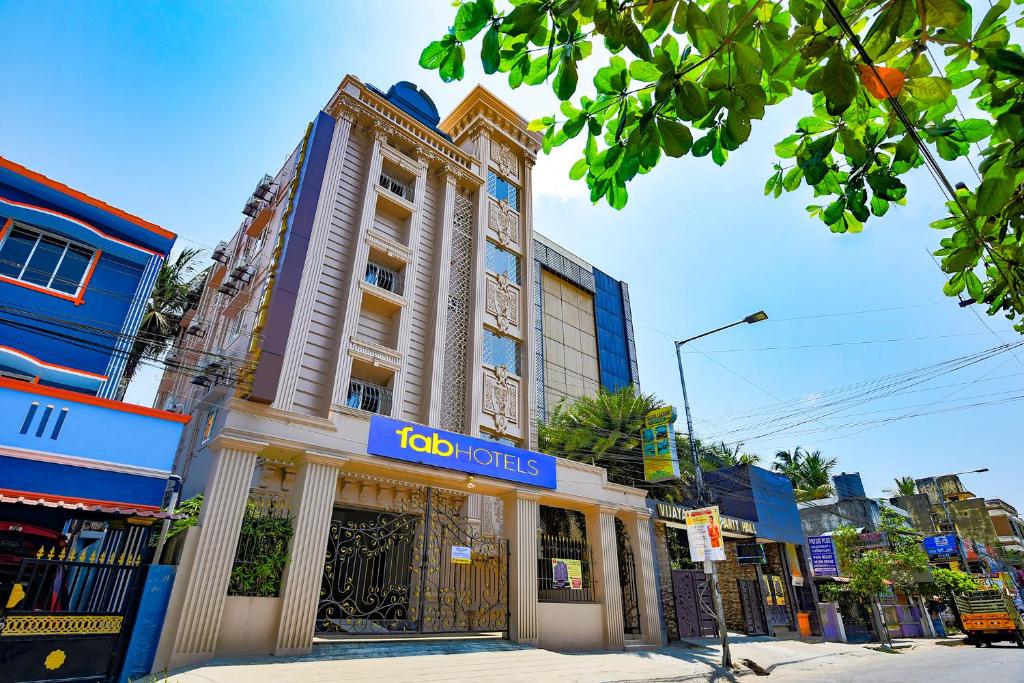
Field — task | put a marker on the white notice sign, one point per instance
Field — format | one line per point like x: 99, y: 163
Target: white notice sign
x: 461, y: 554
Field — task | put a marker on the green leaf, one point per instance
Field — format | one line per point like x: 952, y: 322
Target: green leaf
x: 434, y: 54
x: 946, y: 13
x: 895, y: 20
x: 930, y: 90
x: 834, y: 211
x: 839, y: 83
x: 792, y: 179
x: 955, y: 285
x: 579, y: 169
x: 676, y: 138
x: 994, y: 192
x: 613, y: 78
x: 786, y: 148
x: 702, y: 146
x: 644, y: 71
x: 523, y: 18
x: 634, y: 39
x: 452, y: 65
x: 974, y: 286
x: 692, y: 100
x: 470, y: 19
x: 748, y: 63
x: 565, y: 81
x: 773, y: 184
x: 813, y: 124
x: 879, y: 206
x: 738, y: 127
x: 490, y: 53
x: 1005, y: 61
x: 719, y: 154
x: 973, y: 130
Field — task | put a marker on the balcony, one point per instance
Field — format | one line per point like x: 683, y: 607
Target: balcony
x: 396, y: 186
x: 386, y: 278
x: 369, y: 397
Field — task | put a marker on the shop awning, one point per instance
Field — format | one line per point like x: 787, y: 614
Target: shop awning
x: 85, y: 505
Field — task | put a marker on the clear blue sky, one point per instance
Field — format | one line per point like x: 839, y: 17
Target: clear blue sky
x: 174, y: 110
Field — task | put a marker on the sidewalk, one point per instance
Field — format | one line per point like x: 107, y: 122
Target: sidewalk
x: 502, y: 661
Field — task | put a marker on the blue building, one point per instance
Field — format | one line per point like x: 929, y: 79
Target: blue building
x: 75, y: 277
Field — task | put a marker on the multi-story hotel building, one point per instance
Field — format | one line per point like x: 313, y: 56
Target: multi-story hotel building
x: 370, y: 354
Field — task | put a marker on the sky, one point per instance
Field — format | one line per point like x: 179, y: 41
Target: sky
x: 173, y: 111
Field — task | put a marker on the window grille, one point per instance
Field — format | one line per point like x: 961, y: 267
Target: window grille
x: 43, y: 259
x: 501, y: 350
x: 502, y: 190
x: 262, y: 552
x: 396, y: 186
x: 383, y: 277
x: 502, y: 262
x: 370, y: 397
x: 552, y: 581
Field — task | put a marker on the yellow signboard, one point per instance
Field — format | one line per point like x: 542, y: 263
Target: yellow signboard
x: 659, y: 445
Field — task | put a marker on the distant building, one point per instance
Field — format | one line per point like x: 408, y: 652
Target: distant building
x: 848, y: 508
x: 1008, y: 524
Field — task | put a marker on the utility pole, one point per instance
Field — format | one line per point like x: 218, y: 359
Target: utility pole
x: 710, y: 568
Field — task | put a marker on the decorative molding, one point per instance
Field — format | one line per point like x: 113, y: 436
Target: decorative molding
x: 503, y: 302
x: 506, y: 160
x: 503, y: 221
x: 288, y: 481
x: 393, y: 249
x: 375, y: 354
x: 62, y: 624
x: 381, y: 293
x: 407, y: 164
x: 501, y: 398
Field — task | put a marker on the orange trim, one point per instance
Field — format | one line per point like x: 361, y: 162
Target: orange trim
x: 37, y: 288
x: 80, y: 299
x: 32, y: 358
x: 7, y: 226
x: 35, y: 380
x: 93, y: 400
x: 87, y: 226
x: 34, y: 495
x: 64, y: 189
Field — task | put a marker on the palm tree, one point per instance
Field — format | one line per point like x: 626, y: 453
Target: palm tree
x: 814, y: 477
x: 788, y: 462
x: 174, y: 290
x: 905, y: 486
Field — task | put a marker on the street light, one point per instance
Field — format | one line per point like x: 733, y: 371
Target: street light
x: 698, y: 475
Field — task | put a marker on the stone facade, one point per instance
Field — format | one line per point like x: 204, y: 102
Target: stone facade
x: 668, y: 599
x: 729, y: 571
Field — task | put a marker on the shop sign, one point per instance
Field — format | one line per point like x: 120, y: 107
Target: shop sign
x: 428, y: 446
x: 874, y: 541
x: 462, y: 554
x: 658, y: 438
x: 823, y: 556
x: 677, y: 513
x: 704, y: 531
x: 941, y: 547
x: 566, y: 574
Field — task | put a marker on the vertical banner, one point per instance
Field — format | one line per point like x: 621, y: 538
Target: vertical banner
x: 823, y: 556
x: 704, y: 531
x: 661, y: 461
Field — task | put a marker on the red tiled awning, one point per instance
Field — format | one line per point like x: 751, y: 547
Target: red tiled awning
x: 84, y: 505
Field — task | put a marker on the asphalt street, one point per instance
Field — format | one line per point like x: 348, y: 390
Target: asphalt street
x: 1001, y: 663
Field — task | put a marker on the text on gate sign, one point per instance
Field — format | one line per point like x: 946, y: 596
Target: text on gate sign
x: 428, y: 446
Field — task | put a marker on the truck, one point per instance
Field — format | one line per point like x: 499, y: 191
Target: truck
x: 989, y: 616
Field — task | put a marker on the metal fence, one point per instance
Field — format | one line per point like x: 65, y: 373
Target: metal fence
x: 555, y: 556
x: 262, y: 552
x: 370, y: 397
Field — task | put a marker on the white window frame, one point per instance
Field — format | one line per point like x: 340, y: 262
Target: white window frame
x: 40, y: 233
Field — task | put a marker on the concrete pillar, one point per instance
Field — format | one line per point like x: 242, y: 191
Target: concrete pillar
x: 314, y: 502
x: 607, y: 584
x: 521, y: 517
x: 638, y: 524
x: 223, y: 507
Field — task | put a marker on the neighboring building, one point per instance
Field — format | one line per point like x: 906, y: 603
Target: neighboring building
x: 584, y: 336
x: 759, y: 519
x: 82, y: 476
x: 1008, y: 524
x: 849, y: 507
x: 381, y: 284
x: 952, y: 503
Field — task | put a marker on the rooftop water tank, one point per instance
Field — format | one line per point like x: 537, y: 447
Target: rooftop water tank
x: 849, y: 485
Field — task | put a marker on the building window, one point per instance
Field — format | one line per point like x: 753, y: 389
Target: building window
x: 383, y: 277
x: 503, y: 440
x: 44, y: 260
x: 396, y: 186
x: 501, y: 350
x: 502, y: 190
x: 370, y: 397
x: 502, y: 262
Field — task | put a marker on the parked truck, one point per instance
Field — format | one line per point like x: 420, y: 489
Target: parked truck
x: 989, y: 616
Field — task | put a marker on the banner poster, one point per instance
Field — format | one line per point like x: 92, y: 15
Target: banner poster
x: 566, y: 574
x: 823, y: 556
x: 704, y: 531
x: 461, y: 554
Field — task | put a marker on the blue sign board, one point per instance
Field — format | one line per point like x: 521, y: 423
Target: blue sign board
x: 941, y: 547
x: 823, y: 556
x: 428, y: 446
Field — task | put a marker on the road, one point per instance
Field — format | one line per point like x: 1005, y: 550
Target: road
x: 997, y: 664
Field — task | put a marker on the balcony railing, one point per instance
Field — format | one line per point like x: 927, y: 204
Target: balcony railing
x: 384, y: 277
x: 396, y: 186
x: 370, y: 397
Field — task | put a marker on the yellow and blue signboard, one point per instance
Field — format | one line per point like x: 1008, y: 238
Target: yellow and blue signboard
x: 659, y: 445
x: 428, y: 446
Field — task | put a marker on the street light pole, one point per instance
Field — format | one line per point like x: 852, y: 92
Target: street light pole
x: 710, y: 568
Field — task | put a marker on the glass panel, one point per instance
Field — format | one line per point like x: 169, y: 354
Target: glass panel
x: 44, y: 261
x: 502, y: 190
x: 500, y: 261
x: 72, y: 268
x: 499, y: 350
x: 15, y: 250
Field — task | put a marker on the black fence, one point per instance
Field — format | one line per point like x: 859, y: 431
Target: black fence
x: 557, y: 576
x: 262, y: 552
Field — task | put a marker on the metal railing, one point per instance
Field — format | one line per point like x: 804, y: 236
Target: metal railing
x: 368, y: 396
x: 555, y: 554
x: 396, y: 186
x: 262, y: 551
x: 383, y: 277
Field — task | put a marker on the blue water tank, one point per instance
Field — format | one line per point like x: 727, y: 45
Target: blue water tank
x: 848, y: 485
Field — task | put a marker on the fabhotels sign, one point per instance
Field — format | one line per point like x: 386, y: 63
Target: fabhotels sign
x: 429, y: 446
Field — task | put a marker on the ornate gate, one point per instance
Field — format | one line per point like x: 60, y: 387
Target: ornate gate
x: 627, y: 577
x: 421, y: 570
x: 67, y: 617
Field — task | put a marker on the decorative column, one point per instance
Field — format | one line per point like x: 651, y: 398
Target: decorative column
x: 220, y: 521
x: 521, y: 517
x: 442, y: 271
x: 607, y: 584
x: 314, y: 502
x: 639, y: 526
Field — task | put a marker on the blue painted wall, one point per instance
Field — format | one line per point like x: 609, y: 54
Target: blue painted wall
x: 149, y: 620
x: 68, y: 481
x: 87, y: 431
x: 764, y: 497
x: 610, y: 317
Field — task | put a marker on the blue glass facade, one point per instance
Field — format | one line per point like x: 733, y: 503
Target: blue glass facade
x: 612, y: 337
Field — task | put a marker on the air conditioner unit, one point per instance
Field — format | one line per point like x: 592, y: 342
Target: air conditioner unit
x: 196, y: 328
x: 265, y: 188
x: 243, y: 273
x: 220, y: 253
x: 253, y: 206
x: 229, y: 287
